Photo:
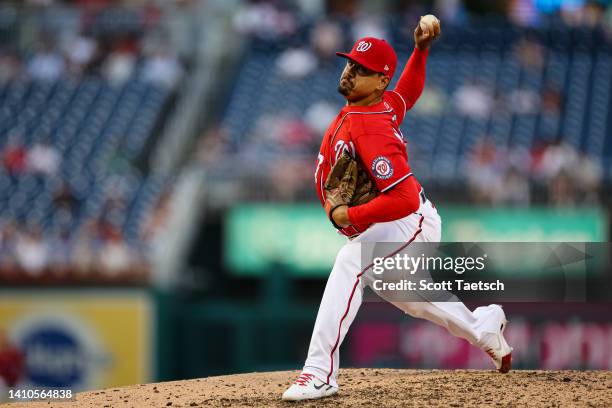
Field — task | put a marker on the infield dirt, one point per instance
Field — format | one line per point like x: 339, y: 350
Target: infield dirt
x: 364, y: 388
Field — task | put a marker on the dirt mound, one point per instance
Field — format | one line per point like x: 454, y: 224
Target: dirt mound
x: 366, y: 387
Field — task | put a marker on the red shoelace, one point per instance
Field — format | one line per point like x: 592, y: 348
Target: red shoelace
x: 303, y: 379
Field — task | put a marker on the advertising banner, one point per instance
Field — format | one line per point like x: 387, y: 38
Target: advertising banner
x: 545, y: 344
x: 467, y: 224
x: 79, y: 340
x: 299, y: 239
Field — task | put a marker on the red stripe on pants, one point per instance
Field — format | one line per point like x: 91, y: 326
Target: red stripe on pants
x: 348, y: 306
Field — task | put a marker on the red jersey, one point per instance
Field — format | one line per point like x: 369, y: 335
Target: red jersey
x: 372, y: 134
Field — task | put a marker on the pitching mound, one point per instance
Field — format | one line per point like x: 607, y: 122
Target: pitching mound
x: 367, y: 387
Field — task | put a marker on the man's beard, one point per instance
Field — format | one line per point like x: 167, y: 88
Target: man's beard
x: 344, y: 90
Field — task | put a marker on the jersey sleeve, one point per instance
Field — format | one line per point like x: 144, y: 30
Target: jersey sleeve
x: 409, y: 85
x: 400, y: 201
x: 397, y: 102
x: 412, y: 80
x: 384, y: 156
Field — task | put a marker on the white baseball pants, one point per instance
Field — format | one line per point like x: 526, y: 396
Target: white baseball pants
x: 344, y: 290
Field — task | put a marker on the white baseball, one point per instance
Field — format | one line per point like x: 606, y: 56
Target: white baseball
x: 429, y: 19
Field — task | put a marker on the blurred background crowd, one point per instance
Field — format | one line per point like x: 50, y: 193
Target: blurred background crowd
x: 84, y: 85
x: 514, y: 106
x: 50, y: 40
x: 169, y: 147
x: 515, y: 111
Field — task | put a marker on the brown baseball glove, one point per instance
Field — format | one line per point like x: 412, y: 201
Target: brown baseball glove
x: 365, y: 190
x: 347, y: 183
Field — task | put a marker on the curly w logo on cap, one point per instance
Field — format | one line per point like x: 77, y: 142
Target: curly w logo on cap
x: 363, y: 46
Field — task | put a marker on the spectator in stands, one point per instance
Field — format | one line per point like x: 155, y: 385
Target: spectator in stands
x: 571, y: 177
x: 12, y: 363
x: 561, y: 190
x: 120, y: 63
x: 296, y: 62
x: 43, y: 158
x: 515, y: 189
x: 514, y: 163
x: 281, y: 133
x: 523, y: 13
x: 32, y: 251
x: 594, y: 13
x: 499, y: 103
x: 587, y: 13
x: 588, y: 174
x: 266, y: 135
x: 80, y: 51
x: 473, y: 99
x: 536, y: 154
x: 212, y: 146
x: 530, y: 53
x: 557, y: 158
x: 163, y: 68
x: 60, y: 257
x: 47, y: 64
x: 319, y: 114
x: 295, y: 135
x: 8, y: 240
x: 14, y: 156
x: 484, y: 175
x: 551, y: 101
x: 114, y: 256
x: 156, y: 219
x: 10, y: 66
x: 326, y: 37
x: 265, y: 20
x: 523, y: 101
x: 115, y: 204
x: 288, y: 178
x: 518, y: 157
x: 64, y: 198
x: 369, y: 26
x: 450, y: 11
x: 85, y: 248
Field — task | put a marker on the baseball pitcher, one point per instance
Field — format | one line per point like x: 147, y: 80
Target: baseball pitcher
x: 369, y: 193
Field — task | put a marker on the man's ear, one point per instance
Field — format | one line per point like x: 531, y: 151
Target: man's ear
x: 384, y: 82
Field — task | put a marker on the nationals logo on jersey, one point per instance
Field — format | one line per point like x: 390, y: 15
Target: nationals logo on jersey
x: 381, y: 167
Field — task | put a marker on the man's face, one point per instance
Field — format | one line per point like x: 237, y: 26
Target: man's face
x: 358, y: 82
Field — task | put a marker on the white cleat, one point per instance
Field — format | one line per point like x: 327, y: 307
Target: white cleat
x: 492, y: 339
x: 307, y: 387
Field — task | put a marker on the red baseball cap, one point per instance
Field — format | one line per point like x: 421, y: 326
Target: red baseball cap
x: 375, y: 54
